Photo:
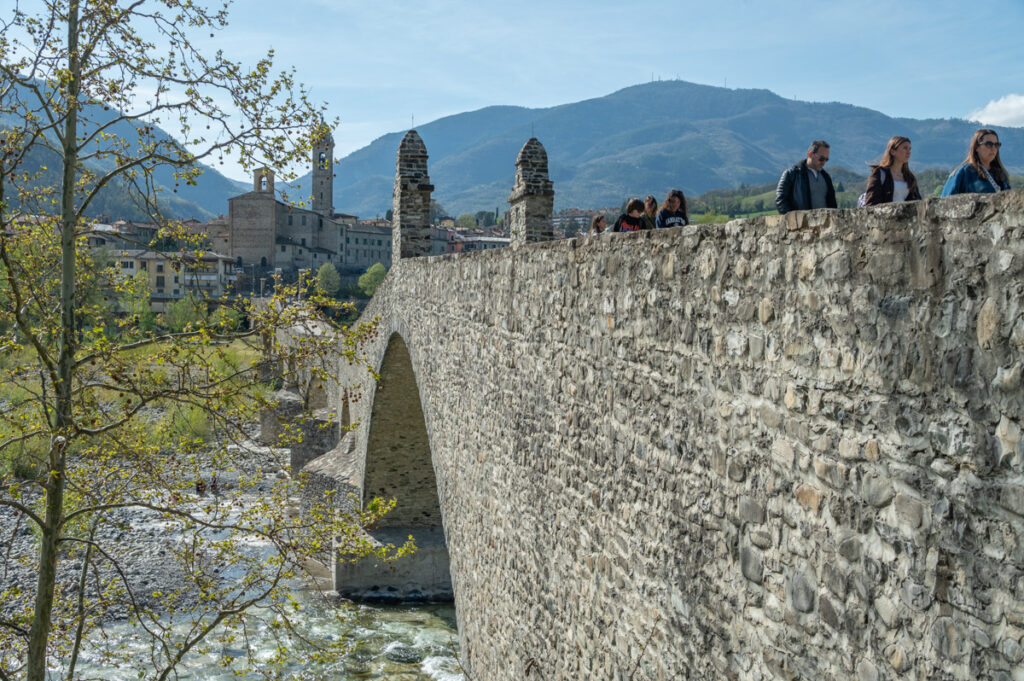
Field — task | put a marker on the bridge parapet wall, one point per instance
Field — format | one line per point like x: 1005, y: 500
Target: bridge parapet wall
x: 783, y: 447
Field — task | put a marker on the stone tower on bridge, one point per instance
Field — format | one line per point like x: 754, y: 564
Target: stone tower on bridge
x: 410, y: 226
x: 533, y: 196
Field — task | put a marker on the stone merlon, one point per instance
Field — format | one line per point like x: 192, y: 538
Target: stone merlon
x: 410, y: 227
x: 411, y: 162
x: 532, y: 171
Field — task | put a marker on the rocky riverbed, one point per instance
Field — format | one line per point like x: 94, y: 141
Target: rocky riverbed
x: 399, y: 643
x: 138, y: 540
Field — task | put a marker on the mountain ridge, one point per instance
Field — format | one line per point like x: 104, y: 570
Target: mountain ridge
x: 642, y: 139
x: 204, y: 200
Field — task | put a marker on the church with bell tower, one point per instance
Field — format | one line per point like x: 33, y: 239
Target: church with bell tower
x: 264, y: 234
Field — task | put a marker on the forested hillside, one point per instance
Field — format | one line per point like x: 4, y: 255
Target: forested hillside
x: 644, y: 139
x: 204, y: 200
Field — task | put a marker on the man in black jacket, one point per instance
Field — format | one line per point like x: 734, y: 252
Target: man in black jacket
x: 806, y: 185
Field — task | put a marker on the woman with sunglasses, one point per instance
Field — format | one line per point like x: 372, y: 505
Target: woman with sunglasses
x: 891, y: 180
x: 982, y: 171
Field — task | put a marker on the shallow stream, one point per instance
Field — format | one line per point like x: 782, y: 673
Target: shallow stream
x: 399, y: 643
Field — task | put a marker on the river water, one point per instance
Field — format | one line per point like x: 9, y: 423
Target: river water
x: 398, y: 643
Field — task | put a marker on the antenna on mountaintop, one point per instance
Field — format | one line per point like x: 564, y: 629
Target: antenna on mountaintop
x: 531, y: 130
x: 412, y: 121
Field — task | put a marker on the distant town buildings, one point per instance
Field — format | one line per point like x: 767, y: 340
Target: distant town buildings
x: 444, y: 240
x: 266, y: 234
x: 572, y: 221
x: 262, y: 236
x: 471, y: 244
x: 174, y: 275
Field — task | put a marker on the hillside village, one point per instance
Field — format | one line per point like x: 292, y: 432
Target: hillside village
x: 262, y: 236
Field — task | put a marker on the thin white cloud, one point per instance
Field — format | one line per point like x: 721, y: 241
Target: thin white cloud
x: 1008, y: 110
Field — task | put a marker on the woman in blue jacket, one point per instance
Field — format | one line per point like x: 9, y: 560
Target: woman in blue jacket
x: 673, y: 212
x: 982, y: 171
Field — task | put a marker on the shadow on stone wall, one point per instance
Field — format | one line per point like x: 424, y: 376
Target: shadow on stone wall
x: 398, y: 465
x: 786, y: 447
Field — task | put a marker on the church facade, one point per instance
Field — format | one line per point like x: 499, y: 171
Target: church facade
x: 265, y: 234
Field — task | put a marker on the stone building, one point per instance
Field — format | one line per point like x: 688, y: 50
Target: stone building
x: 264, y: 233
x: 174, y: 275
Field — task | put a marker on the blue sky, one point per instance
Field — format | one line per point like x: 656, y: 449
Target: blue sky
x: 378, y: 63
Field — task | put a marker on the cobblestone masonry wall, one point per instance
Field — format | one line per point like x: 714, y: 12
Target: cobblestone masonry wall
x: 786, y: 447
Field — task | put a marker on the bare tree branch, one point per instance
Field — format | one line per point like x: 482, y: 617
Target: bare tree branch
x: 23, y: 509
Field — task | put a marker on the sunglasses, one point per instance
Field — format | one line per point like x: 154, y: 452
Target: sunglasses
x: 990, y: 145
x: 823, y: 159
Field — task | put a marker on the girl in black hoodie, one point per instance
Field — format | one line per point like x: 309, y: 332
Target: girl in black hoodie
x: 631, y: 220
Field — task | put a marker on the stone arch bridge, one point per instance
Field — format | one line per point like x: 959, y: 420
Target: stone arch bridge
x: 787, y: 447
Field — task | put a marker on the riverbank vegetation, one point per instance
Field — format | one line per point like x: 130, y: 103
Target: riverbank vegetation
x: 109, y: 413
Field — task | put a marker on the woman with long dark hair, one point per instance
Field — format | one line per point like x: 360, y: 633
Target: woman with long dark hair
x: 673, y: 212
x: 982, y: 171
x: 891, y: 180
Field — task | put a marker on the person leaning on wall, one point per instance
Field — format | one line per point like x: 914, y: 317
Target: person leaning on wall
x: 891, y: 180
x: 806, y: 185
x: 631, y: 220
x: 982, y: 171
x: 597, y: 225
x: 673, y: 212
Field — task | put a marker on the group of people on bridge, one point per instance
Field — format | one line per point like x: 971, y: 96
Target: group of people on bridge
x: 806, y: 185
x: 646, y: 215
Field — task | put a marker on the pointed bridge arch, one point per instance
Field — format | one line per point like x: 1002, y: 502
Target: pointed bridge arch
x: 399, y: 464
